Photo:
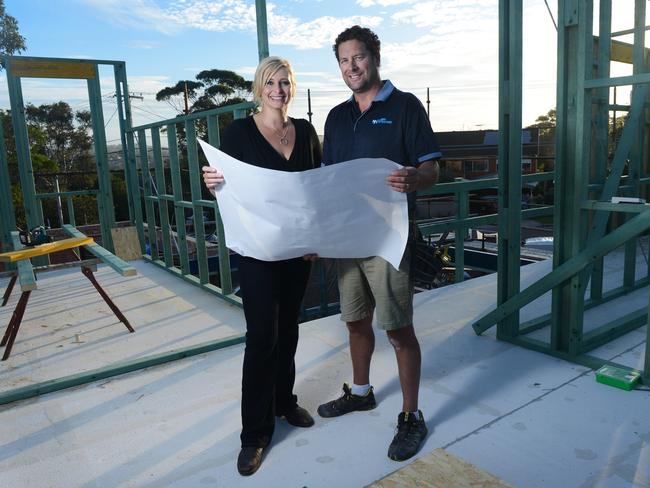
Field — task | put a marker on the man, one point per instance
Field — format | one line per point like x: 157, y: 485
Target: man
x: 379, y: 121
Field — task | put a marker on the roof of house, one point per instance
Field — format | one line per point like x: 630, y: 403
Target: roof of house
x: 482, y: 143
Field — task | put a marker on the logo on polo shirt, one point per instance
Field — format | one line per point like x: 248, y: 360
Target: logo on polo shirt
x: 381, y: 121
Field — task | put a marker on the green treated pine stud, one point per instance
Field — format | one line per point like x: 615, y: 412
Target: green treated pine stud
x: 119, y: 265
x: 132, y: 168
x: 116, y: 369
x: 225, y: 276
x: 601, y: 125
x: 572, y: 165
x: 148, y: 204
x: 123, y: 102
x: 510, y: 151
x: 459, y: 236
x: 564, y: 272
x: 26, y: 277
x: 195, y: 188
x: 163, y: 207
x: 262, y: 29
x: 105, y: 196
x: 177, y: 189
x: 613, y: 330
x: 33, y: 213
x: 8, y: 221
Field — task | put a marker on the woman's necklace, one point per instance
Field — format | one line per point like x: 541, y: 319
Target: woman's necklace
x: 283, y: 135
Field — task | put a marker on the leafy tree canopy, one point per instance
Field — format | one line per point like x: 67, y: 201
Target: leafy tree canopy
x: 11, y: 42
x: 214, y: 88
x: 546, y: 121
x: 66, y: 138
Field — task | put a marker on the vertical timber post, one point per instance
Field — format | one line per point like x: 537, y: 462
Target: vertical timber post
x: 575, y: 63
x: 105, y: 195
x: 8, y: 220
x: 509, y: 170
x: 262, y: 30
x: 125, y: 120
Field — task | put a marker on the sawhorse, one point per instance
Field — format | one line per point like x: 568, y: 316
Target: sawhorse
x: 28, y: 282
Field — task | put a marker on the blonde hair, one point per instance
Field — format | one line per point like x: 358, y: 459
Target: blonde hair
x: 266, y: 69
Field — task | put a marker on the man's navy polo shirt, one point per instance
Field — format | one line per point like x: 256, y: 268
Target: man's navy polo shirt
x: 394, y: 127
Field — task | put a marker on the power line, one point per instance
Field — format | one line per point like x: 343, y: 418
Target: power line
x: 149, y: 112
x: 110, y: 118
x: 551, y: 14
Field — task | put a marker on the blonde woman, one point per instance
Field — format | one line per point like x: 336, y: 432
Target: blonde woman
x: 272, y: 291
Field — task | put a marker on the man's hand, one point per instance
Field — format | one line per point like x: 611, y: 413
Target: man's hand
x: 408, y: 178
x: 211, y: 177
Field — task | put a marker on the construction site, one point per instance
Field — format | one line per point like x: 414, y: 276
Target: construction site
x: 123, y: 341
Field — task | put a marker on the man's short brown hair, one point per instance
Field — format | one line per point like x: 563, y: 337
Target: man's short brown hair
x: 361, y: 34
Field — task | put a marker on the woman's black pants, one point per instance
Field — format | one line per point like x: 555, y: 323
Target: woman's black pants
x: 272, y: 292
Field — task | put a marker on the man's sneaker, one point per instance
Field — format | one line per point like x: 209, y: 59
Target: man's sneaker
x: 347, y: 403
x: 411, y: 431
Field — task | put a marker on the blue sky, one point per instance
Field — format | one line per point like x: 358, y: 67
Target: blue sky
x: 450, y: 46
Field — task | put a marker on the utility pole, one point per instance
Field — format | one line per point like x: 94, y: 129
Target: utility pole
x: 187, y: 108
x: 131, y: 95
x: 309, y: 112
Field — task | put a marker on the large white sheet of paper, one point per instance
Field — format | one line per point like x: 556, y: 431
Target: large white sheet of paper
x: 345, y: 210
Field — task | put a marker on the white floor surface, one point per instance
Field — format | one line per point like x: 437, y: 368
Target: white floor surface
x: 528, y: 418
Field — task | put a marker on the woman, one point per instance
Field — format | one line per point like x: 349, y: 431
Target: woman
x: 272, y: 291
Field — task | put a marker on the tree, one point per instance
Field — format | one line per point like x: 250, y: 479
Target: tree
x: 41, y: 164
x: 546, y: 123
x: 180, y: 95
x: 66, y: 139
x: 223, y: 87
x: 11, y: 41
x: 214, y: 88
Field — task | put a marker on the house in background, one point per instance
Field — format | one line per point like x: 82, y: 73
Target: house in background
x: 473, y: 154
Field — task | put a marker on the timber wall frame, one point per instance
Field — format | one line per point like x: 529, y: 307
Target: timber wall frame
x: 18, y: 67
x: 585, y: 182
x: 160, y: 209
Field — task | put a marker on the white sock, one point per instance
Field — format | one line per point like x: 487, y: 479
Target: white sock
x: 360, y: 390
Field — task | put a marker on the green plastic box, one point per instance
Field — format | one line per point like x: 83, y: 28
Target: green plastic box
x: 622, y: 378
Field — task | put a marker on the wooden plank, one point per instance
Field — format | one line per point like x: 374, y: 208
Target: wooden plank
x: 440, y: 470
x: 119, y: 265
x: 566, y: 270
x: 50, y: 68
x: 26, y: 276
x: 126, y: 243
x: 43, y: 249
x: 117, y: 369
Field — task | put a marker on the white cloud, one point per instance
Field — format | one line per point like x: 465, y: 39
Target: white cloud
x: 458, y: 60
x: 140, y: 14
x: 440, y: 14
x: 227, y: 15
x: 383, y: 3
x: 246, y: 70
x: 147, y: 83
x: 321, y: 32
x: 141, y: 44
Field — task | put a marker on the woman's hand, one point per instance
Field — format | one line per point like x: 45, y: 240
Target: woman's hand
x: 310, y: 257
x: 211, y: 177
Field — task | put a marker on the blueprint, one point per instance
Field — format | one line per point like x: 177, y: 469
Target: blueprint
x: 345, y: 210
